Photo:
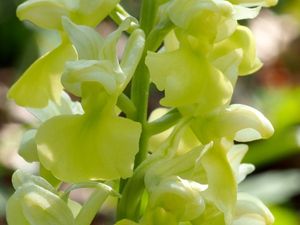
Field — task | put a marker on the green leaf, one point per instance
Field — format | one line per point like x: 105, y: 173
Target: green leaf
x: 44, y: 75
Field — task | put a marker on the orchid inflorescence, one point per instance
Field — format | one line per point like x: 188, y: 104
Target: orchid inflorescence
x: 180, y: 166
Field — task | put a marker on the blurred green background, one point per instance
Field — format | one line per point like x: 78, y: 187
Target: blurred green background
x: 275, y: 90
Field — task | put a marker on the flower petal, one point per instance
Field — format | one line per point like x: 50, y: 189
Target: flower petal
x: 222, y: 189
x: 44, y: 75
x: 243, y: 39
x: 242, y: 12
x: 86, y: 40
x: 96, y: 145
x: 91, y: 12
x: 235, y: 157
x: 250, y: 210
x: 251, y: 3
x: 186, y: 78
x: 65, y: 106
x: 78, y: 72
x: 238, y: 122
x: 14, y: 211
x: 93, y: 149
x: 48, y: 13
x: 182, y: 198
x: 44, y: 13
x: 21, y: 178
x: 28, y: 148
x: 42, y: 207
x: 195, y: 16
x: 34, y: 205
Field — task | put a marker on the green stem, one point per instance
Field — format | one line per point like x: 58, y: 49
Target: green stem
x: 148, y: 11
x: 127, y: 106
x: 139, y: 96
x: 163, y: 123
x: 129, y: 204
x: 141, y: 81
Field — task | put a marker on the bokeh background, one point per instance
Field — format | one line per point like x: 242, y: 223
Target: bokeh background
x: 274, y: 90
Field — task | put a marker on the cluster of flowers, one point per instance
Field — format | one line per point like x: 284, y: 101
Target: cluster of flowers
x: 191, y: 176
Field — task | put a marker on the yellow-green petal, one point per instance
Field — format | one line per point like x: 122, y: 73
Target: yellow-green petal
x: 251, y: 3
x: 237, y: 122
x: 235, y: 157
x: 28, y: 147
x: 222, y: 186
x: 195, y: 16
x: 90, y: 148
x: 98, y: 58
x: 48, y: 13
x: 14, y: 211
x: 42, y: 207
x: 158, y: 216
x: 41, y: 81
x: 95, y: 145
x: 44, y: 13
x: 91, y: 12
x: 243, y: 39
x: 229, y: 64
x: 21, y: 178
x: 251, y: 211
x: 34, y: 205
x: 86, y: 40
x: 78, y: 72
x: 182, y: 198
x: 65, y: 106
x: 186, y: 77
